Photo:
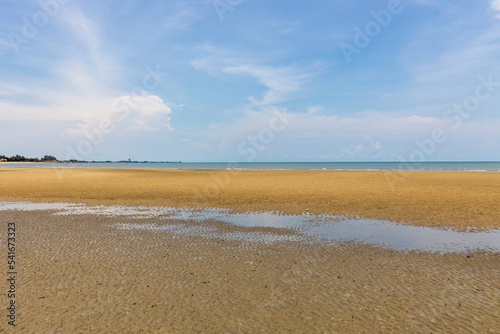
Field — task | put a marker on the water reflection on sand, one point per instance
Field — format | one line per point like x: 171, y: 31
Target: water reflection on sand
x: 324, y: 228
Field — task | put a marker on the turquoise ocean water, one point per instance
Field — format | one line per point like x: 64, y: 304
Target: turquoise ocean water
x: 436, y: 166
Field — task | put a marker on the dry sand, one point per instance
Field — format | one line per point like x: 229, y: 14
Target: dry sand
x: 458, y: 199
x: 79, y: 274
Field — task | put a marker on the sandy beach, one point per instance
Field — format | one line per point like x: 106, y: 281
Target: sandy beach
x: 81, y: 274
x: 113, y: 274
x: 456, y: 199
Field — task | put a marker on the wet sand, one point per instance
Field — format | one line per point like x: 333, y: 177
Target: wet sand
x: 80, y: 274
x: 456, y: 199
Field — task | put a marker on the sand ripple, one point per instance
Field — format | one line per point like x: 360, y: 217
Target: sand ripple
x: 80, y: 274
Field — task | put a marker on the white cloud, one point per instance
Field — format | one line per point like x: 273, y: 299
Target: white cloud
x: 495, y: 5
x: 143, y: 113
x: 371, y: 123
x: 308, y: 125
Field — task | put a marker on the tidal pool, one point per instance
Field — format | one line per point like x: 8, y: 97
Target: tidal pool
x: 305, y: 227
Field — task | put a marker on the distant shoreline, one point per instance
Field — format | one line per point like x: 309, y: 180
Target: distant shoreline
x: 28, y: 162
x: 90, y: 162
x: 452, y: 166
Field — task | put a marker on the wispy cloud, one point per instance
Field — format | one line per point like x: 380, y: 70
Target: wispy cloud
x: 443, y: 62
x: 280, y: 81
x: 84, y: 28
x: 86, y: 63
x: 495, y: 5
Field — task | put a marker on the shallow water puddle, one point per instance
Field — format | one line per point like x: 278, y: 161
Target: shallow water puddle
x: 325, y: 228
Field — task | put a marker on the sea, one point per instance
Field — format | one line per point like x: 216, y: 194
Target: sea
x: 478, y: 166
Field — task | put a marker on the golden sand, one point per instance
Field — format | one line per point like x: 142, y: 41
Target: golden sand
x: 458, y: 199
x: 80, y: 274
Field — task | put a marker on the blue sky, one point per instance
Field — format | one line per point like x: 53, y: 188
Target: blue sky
x: 251, y: 80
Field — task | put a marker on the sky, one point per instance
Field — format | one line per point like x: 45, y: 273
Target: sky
x: 251, y: 80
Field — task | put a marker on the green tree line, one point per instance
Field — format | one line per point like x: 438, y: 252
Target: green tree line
x: 20, y: 158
